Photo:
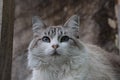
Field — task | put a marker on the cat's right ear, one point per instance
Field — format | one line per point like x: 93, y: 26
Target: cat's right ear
x: 38, y: 25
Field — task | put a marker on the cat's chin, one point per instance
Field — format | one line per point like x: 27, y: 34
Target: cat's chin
x: 55, y: 53
x: 55, y: 58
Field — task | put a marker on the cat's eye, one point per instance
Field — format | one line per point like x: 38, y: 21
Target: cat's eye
x: 46, y: 39
x: 64, y: 39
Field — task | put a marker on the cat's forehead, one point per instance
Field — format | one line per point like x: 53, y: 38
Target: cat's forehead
x: 54, y: 30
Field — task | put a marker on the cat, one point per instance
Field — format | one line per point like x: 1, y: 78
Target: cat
x: 57, y: 53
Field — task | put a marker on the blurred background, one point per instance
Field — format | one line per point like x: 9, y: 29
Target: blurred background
x: 98, y: 25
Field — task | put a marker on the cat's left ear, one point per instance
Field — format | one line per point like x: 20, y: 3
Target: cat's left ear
x: 73, y: 23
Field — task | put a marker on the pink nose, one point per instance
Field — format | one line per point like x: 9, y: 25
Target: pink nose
x: 55, y: 46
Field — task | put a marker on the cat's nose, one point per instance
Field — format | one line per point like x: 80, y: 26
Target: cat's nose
x: 55, y: 46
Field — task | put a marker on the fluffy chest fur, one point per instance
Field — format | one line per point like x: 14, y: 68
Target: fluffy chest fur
x: 91, y: 66
x: 69, y: 70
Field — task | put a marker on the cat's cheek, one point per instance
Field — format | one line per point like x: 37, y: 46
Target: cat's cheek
x: 44, y: 47
x: 64, y: 45
x: 62, y: 51
x: 48, y: 51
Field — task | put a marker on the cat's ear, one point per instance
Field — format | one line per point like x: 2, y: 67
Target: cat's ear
x: 73, y: 24
x: 38, y: 24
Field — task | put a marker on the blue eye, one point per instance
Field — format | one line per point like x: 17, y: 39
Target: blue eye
x: 64, y: 39
x: 46, y: 39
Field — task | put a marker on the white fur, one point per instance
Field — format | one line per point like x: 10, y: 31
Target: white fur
x: 87, y: 64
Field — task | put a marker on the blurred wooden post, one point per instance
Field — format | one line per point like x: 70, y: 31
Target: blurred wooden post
x: 6, y: 42
x: 118, y: 20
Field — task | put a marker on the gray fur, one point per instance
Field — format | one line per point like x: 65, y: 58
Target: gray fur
x: 76, y: 60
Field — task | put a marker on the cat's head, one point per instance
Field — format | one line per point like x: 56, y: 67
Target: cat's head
x: 52, y: 43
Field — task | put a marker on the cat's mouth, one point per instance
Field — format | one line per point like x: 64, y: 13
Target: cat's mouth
x: 55, y: 53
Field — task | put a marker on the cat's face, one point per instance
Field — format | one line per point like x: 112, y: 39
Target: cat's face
x: 55, y: 42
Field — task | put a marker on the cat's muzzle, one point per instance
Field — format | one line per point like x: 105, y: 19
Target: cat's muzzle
x: 55, y: 53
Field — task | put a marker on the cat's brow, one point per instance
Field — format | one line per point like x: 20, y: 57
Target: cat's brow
x: 54, y: 31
